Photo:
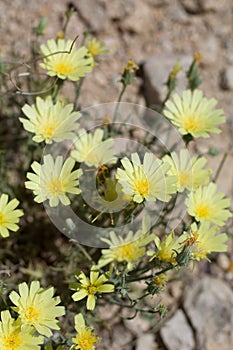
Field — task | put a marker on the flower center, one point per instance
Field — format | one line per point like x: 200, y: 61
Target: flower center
x: 86, y: 340
x: 31, y: 314
x: 128, y: 252
x: 48, y: 130
x: 63, y: 68
x: 124, y: 252
x: 142, y: 186
x: 55, y: 186
x: 191, y: 124
x: 184, y: 178
x: 2, y: 219
x: 11, y: 341
x: 93, y: 49
x: 203, y: 211
x: 166, y: 254
x: 92, y: 289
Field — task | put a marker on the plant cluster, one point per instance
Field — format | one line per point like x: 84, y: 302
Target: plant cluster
x: 127, y: 186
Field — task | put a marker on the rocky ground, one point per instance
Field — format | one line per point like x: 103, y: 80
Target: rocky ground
x: 155, y: 33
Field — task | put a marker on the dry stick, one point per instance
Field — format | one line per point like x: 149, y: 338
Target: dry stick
x: 83, y: 250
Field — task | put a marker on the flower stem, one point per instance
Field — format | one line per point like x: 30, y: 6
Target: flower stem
x: 218, y: 171
x: 118, y: 103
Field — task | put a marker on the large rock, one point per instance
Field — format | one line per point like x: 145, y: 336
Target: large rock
x: 177, y: 334
x: 209, y: 50
x: 121, y: 338
x: 118, y: 10
x: 146, y: 342
x: 226, y: 78
x: 140, y: 17
x: 200, y: 6
x: 138, y: 325
x: 155, y: 72
x: 93, y: 14
x: 209, y: 306
x: 157, y: 2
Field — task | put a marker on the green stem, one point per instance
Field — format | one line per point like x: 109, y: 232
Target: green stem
x: 77, y: 92
x: 220, y: 166
x: 118, y: 104
x: 134, y: 279
x: 57, y: 89
x: 68, y: 16
x: 83, y: 250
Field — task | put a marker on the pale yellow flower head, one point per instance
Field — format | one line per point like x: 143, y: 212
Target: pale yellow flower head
x: 50, y: 122
x: 146, y: 181
x: 204, y: 240
x: 158, y: 283
x: 206, y: 205
x: 9, y: 216
x: 53, y: 180
x: 188, y: 171
x: 92, y: 150
x: 168, y: 248
x: 62, y: 59
x: 130, y: 249
x: 37, y: 307
x: 85, y: 338
x: 95, y: 47
x: 90, y: 287
x: 194, y: 114
x: 15, y: 337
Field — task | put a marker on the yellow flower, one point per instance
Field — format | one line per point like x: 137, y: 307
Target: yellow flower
x: 91, y: 149
x: 131, y: 67
x: 158, y: 283
x: 168, y: 248
x: 50, y: 122
x: 9, y: 217
x: 188, y: 171
x: 95, y: 47
x: 207, y: 205
x: 62, y: 59
x: 205, y: 240
x: 90, y: 287
x: 194, y: 114
x: 53, y: 180
x: 15, y: 337
x: 131, y: 249
x: 85, y: 338
x: 37, y: 307
x: 147, y: 181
